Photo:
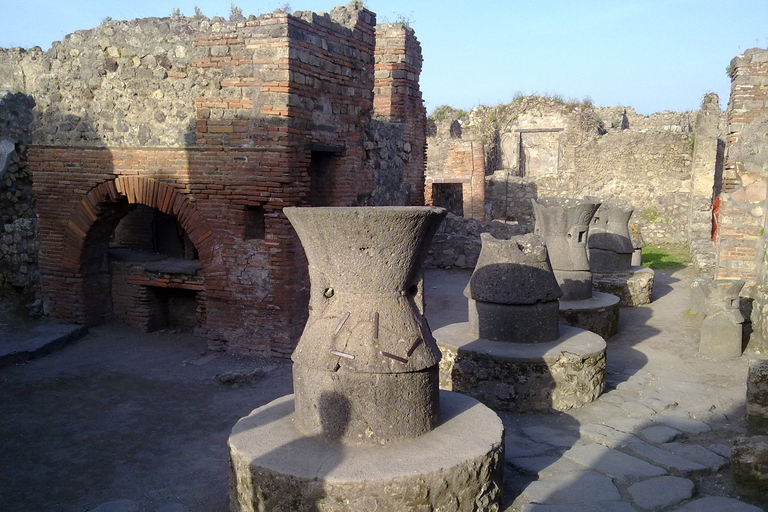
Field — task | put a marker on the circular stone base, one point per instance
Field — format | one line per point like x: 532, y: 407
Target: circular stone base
x: 521, y: 377
x: 455, y: 467
x: 633, y: 287
x: 600, y: 314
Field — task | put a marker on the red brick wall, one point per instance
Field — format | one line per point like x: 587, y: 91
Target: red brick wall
x: 743, y: 198
x: 289, y: 85
x: 463, y: 162
x: 397, y: 97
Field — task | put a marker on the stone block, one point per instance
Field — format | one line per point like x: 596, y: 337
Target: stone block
x: 633, y: 287
x: 757, y: 398
x: 721, y: 338
x: 534, y: 323
x: 749, y: 462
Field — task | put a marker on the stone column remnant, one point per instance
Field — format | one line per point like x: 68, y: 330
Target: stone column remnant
x: 721, y: 330
x: 513, y: 292
x: 365, y: 369
x: 610, y: 243
x: 564, y: 225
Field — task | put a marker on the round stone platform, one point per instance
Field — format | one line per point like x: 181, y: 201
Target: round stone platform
x: 599, y: 314
x: 523, y: 377
x: 455, y: 467
x: 633, y: 287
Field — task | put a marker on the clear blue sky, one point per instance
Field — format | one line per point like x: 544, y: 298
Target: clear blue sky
x: 652, y: 55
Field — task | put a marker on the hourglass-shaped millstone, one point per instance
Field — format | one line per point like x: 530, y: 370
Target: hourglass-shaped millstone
x: 609, y: 241
x: 564, y: 224
x: 365, y: 368
x: 512, y: 292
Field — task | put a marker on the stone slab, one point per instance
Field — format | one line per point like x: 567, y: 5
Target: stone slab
x: 522, y: 377
x: 612, y: 463
x: 544, y: 466
x: 633, y: 287
x: 718, y: 504
x: 601, y: 506
x: 599, y: 314
x: 665, y: 458
x: 277, y: 468
x: 661, y: 492
x: 19, y: 345
x: 658, y: 434
x: 569, y: 488
x: 697, y: 453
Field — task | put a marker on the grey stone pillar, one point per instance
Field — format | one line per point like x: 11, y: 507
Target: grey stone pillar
x: 365, y: 369
x: 564, y: 225
x: 721, y: 330
x: 609, y: 241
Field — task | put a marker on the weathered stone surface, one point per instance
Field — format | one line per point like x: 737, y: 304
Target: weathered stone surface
x: 718, y: 504
x: 599, y: 314
x: 601, y: 506
x: 633, y: 287
x: 609, y: 242
x: 664, y: 458
x: 661, y: 492
x: 527, y: 323
x: 365, y: 326
x: 697, y: 453
x: 613, y: 463
x: 564, y: 225
x: 721, y: 338
x: 514, y: 271
x: 277, y: 468
x: 757, y: 398
x: 569, y: 488
x: 558, y: 375
x: 658, y: 434
x: 749, y: 462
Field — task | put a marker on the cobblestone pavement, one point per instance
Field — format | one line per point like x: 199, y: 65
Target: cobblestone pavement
x: 124, y: 422
x: 658, y: 439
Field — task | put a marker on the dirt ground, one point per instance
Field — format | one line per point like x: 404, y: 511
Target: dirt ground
x: 144, y: 418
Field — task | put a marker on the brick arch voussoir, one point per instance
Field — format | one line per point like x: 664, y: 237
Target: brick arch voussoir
x: 138, y: 190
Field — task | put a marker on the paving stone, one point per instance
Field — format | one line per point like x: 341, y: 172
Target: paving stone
x: 698, y: 453
x: 604, y: 435
x: 683, y: 424
x: 118, y: 506
x: 601, y: 410
x: 718, y: 504
x: 602, y: 506
x: 553, y: 436
x: 518, y: 446
x: 629, y: 425
x: 635, y: 409
x: 721, y: 449
x: 661, y: 492
x: 658, y: 434
x: 172, y: 507
x: 612, y: 462
x: 617, y: 397
x: 569, y: 488
x: 658, y: 404
x: 665, y: 458
x: 544, y: 466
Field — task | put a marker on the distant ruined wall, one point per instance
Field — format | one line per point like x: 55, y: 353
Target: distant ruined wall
x: 538, y: 147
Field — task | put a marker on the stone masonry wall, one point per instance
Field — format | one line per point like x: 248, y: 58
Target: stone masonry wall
x: 550, y: 148
x: 19, y: 276
x: 212, y: 122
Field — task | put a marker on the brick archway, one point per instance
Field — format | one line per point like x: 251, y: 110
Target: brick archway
x: 137, y: 190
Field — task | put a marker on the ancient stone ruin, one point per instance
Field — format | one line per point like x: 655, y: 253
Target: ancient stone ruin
x: 367, y: 428
x: 564, y: 225
x: 611, y: 254
x: 513, y: 354
x: 722, y: 331
x: 185, y: 137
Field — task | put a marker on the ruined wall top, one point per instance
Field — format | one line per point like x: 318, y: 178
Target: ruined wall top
x: 139, y: 82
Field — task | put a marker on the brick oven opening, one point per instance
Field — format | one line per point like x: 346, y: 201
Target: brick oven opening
x: 449, y: 196
x: 155, y: 273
